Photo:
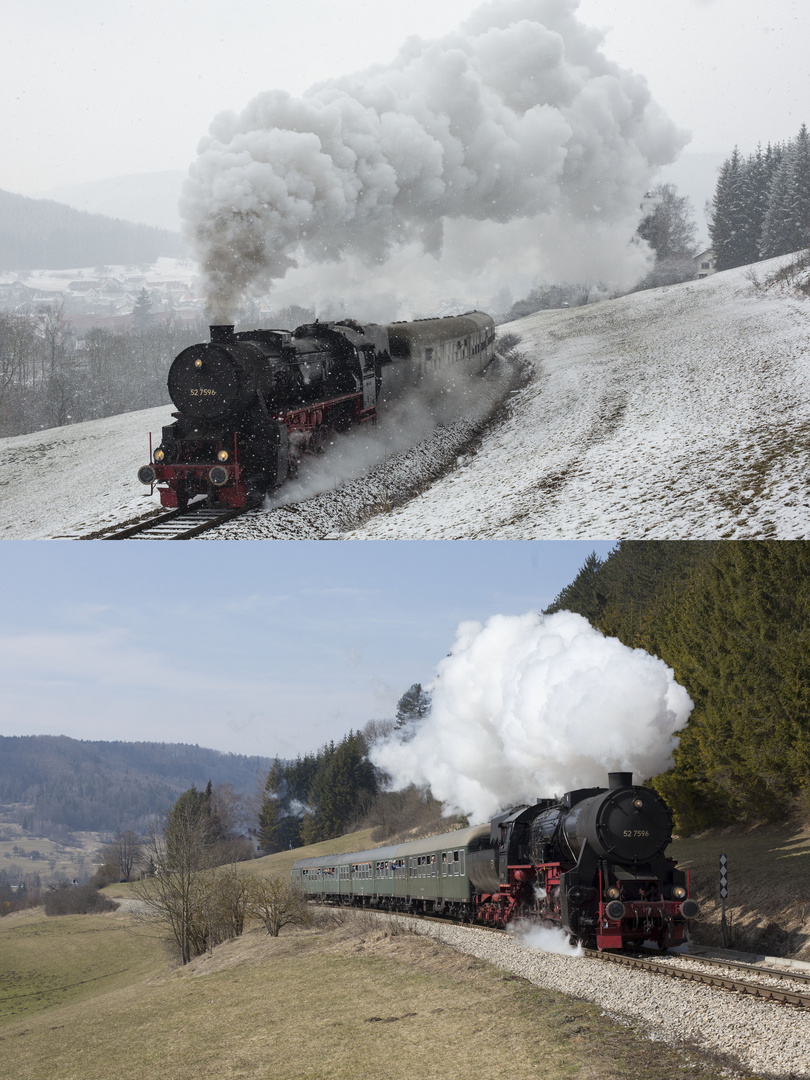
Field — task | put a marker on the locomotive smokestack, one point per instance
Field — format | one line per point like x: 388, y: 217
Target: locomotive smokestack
x: 620, y: 780
x: 222, y: 335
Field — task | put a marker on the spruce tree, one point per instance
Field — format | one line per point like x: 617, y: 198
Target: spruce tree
x: 778, y: 233
x: 800, y: 206
x: 739, y: 645
x: 142, y: 311
x: 728, y: 214
x: 412, y: 706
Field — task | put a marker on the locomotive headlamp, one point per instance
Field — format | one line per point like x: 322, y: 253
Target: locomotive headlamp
x: 223, y: 455
x: 218, y: 476
x: 198, y: 364
x: 615, y: 910
x: 159, y: 456
x: 613, y: 893
x: 638, y: 804
x: 679, y: 892
x: 146, y: 474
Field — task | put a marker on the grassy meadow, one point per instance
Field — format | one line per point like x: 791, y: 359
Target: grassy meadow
x: 349, y: 996
x: 95, y: 997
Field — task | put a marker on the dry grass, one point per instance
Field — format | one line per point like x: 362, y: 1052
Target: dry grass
x: 46, y: 962
x: 346, y: 998
x: 768, y: 882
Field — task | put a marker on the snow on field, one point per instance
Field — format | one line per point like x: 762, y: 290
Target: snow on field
x: 71, y: 480
x: 680, y: 413
x: 676, y: 413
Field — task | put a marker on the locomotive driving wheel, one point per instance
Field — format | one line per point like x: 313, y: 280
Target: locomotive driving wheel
x: 320, y: 439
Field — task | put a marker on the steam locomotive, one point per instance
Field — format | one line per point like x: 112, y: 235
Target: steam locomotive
x: 591, y: 863
x: 249, y: 404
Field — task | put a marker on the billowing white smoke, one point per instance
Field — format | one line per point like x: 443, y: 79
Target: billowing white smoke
x: 548, y: 939
x: 535, y: 705
x: 517, y: 115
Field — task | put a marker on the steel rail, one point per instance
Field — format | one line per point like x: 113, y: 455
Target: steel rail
x: 759, y: 990
x: 174, y: 525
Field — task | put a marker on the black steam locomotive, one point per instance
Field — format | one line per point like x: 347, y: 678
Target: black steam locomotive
x: 249, y: 404
x: 592, y: 863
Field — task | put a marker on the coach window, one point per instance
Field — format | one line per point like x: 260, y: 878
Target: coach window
x: 455, y: 864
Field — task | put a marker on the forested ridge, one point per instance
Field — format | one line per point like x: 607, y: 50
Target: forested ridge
x: 731, y: 620
x: 43, y: 234
x: 62, y: 783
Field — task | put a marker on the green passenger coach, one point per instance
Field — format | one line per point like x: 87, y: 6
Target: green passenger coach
x: 428, y: 875
x: 591, y: 862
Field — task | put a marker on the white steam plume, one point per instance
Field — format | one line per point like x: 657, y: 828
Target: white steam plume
x: 534, y: 705
x: 516, y: 117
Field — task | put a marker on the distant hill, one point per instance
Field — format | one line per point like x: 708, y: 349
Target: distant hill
x: 41, y: 234
x: 149, y: 198
x: 97, y: 786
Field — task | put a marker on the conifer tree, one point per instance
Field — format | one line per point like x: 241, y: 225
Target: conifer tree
x: 800, y: 208
x: 727, y: 229
x: 583, y: 595
x: 740, y: 644
x: 413, y: 705
x: 778, y: 232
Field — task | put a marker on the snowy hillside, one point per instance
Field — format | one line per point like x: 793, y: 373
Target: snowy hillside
x: 681, y: 412
x: 676, y: 413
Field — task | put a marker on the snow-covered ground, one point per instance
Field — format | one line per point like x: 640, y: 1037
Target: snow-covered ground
x: 164, y: 269
x: 681, y: 412
x: 677, y: 413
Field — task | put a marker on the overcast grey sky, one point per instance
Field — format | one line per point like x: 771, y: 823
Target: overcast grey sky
x: 254, y: 648
x: 101, y: 88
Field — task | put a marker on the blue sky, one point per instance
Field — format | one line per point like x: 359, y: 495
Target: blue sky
x: 254, y: 648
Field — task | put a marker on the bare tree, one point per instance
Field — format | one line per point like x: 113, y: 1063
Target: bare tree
x: 129, y: 850
x: 120, y: 858
x: 231, y: 893
x: 276, y: 902
x: 175, y: 892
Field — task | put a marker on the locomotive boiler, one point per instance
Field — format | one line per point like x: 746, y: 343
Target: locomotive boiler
x: 250, y: 404
x: 591, y: 863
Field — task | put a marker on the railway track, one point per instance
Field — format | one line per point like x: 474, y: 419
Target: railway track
x: 784, y: 995
x: 174, y: 525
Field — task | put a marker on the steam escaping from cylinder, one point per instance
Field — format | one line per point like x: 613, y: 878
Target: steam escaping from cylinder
x: 535, y: 705
x: 513, y: 134
x: 547, y: 939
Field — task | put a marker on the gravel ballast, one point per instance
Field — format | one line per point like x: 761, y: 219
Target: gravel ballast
x: 766, y: 1038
